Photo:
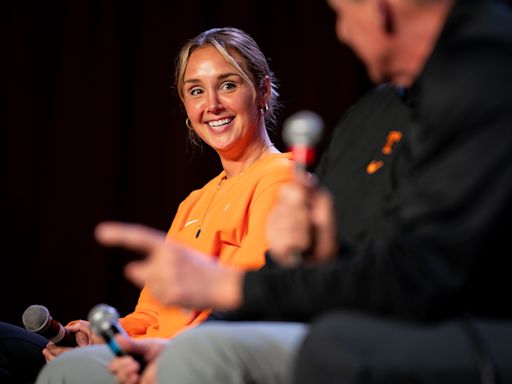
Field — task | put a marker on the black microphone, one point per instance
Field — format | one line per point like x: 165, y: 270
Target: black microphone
x: 301, y: 132
x: 104, y: 320
x: 36, y: 318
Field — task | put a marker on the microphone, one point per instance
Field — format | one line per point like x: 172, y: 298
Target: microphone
x: 36, y: 318
x: 104, y: 320
x: 301, y: 132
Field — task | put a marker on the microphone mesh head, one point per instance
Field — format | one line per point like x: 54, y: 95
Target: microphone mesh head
x: 35, y: 317
x: 101, y: 317
x: 303, y: 128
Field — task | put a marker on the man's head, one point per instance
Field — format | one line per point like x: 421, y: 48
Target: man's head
x: 393, y: 38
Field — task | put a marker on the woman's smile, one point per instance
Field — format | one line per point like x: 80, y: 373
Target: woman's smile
x: 220, y: 125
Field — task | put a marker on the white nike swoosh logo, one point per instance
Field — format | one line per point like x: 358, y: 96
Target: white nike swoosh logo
x: 190, y: 222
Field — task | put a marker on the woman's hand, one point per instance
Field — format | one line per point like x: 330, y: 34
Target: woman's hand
x: 83, y: 335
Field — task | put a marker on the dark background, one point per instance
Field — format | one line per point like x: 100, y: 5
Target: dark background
x: 93, y: 130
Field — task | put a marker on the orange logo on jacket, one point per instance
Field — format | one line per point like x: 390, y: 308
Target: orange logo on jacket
x: 374, y: 166
x: 392, y: 138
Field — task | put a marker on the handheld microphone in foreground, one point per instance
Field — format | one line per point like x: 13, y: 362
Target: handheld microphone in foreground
x: 36, y: 318
x: 301, y: 132
x: 104, y: 322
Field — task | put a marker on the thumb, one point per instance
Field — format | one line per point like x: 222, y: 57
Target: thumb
x: 82, y: 339
x: 129, y: 345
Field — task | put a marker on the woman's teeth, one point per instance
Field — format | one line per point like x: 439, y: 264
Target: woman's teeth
x: 218, y: 123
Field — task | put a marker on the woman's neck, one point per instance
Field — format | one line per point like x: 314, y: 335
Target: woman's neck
x: 252, y: 153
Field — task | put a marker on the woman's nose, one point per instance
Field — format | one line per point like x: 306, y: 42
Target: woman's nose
x: 214, y: 104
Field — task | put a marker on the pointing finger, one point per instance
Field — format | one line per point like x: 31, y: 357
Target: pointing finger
x: 134, y: 237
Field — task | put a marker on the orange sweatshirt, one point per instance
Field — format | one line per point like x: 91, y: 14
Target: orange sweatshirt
x: 226, y: 219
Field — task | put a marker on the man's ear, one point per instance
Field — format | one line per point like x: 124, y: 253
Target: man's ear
x: 386, y: 16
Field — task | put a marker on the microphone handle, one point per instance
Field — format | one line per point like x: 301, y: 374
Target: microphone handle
x: 68, y: 339
x: 57, y: 334
x: 109, y: 337
x: 303, y: 156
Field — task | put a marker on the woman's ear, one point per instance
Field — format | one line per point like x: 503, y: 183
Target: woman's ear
x: 386, y: 16
x: 265, y: 89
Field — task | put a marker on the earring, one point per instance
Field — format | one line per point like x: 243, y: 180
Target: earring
x: 264, y: 109
x: 188, y: 124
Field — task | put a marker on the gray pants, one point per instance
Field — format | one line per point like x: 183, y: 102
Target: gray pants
x: 79, y: 366
x: 232, y: 353
x: 216, y: 352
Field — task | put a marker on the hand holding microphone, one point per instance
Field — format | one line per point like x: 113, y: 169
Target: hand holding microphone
x: 37, y: 318
x: 104, y: 321
x: 289, y: 230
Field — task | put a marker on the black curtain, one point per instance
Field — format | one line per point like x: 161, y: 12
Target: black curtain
x: 93, y: 130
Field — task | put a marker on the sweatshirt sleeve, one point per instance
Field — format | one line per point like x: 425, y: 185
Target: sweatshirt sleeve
x: 251, y: 252
x: 144, y: 315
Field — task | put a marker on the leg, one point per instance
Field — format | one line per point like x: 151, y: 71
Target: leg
x: 20, y: 354
x: 85, y: 365
x: 232, y: 352
x: 496, y: 339
x: 356, y: 349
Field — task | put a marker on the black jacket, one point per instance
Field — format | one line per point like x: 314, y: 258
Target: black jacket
x: 434, y: 243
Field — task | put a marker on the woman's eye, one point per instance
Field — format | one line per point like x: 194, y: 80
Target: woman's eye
x: 228, y: 85
x: 195, y: 91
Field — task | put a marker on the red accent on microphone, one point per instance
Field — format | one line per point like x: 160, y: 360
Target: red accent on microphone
x: 301, y: 132
x: 303, y: 155
x: 37, y: 318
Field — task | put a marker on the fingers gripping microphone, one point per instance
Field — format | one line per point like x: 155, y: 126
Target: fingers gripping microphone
x: 36, y: 318
x: 104, y: 322
x: 301, y: 132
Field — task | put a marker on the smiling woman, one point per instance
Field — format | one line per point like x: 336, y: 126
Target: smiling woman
x: 230, y: 96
